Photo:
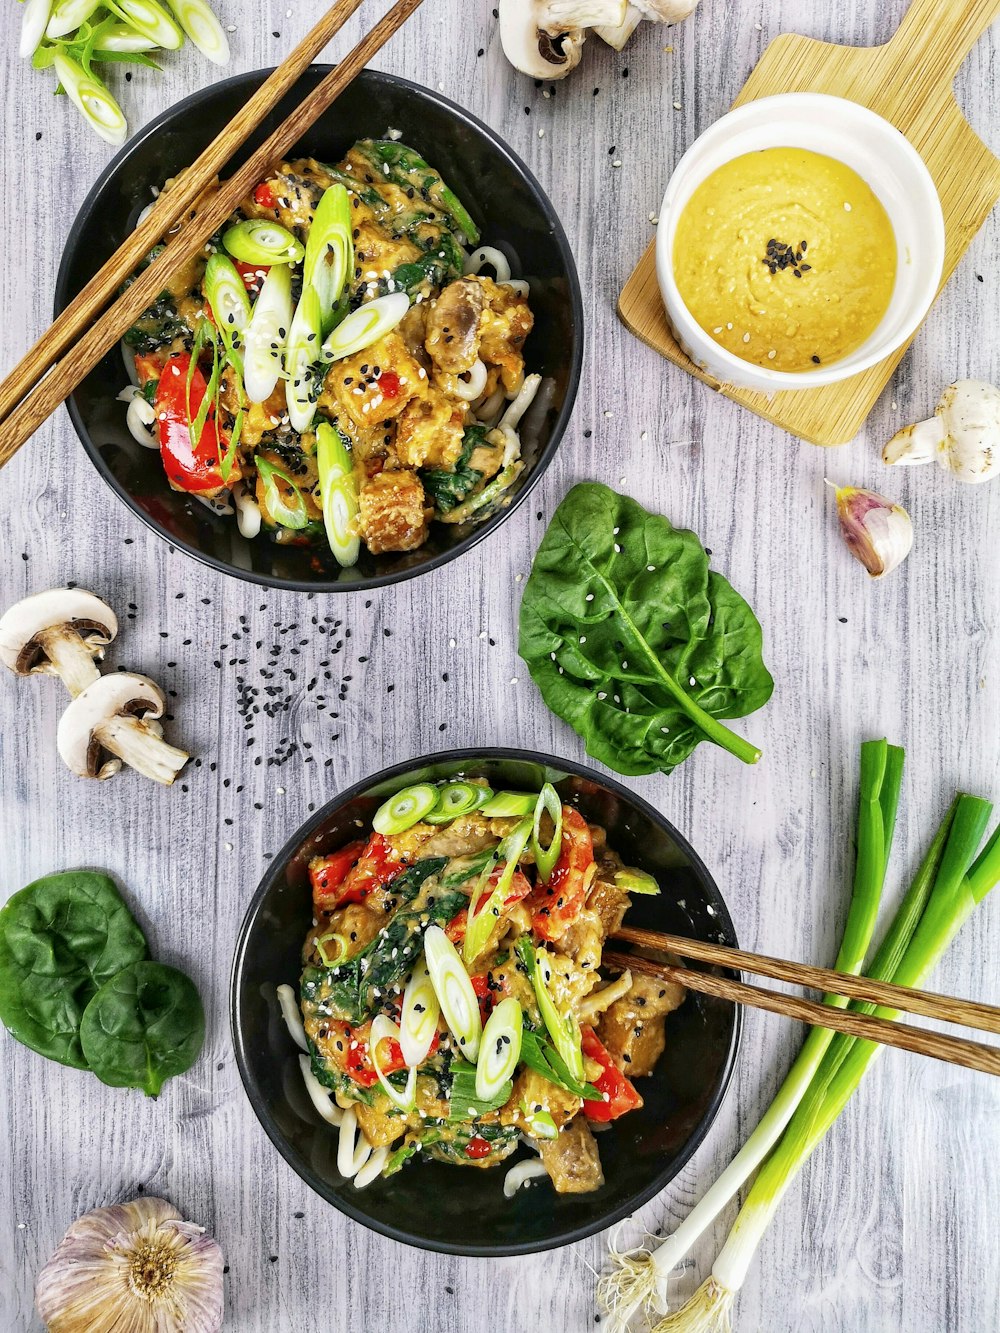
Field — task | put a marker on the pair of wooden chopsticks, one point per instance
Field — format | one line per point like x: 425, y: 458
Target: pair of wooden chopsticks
x: 91, y: 324
x: 954, y: 1050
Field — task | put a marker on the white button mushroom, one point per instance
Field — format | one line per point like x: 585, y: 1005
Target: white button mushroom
x: 118, y: 713
x: 544, y: 38
x: 59, y: 632
x: 660, y: 11
x: 963, y: 435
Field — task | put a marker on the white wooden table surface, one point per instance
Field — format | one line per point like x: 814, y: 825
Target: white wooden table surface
x: 894, y: 1225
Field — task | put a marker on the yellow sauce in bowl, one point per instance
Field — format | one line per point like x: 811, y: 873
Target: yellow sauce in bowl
x: 786, y: 258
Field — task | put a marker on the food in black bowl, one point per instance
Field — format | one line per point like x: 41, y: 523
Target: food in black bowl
x: 368, y: 366
x: 417, y: 995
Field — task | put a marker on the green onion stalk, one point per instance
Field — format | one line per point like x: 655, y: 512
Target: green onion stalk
x: 950, y: 884
x: 639, y: 1273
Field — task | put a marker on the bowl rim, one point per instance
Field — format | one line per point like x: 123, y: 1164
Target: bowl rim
x: 723, y: 361
x: 657, y: 1183
x: 481, y: 531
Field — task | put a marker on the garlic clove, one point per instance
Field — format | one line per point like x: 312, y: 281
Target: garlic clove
x: 877, y: 532
x: 963, y: 435
x: 132, y: 1268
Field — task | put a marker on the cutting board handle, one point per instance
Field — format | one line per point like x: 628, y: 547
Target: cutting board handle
x: 936, y: 36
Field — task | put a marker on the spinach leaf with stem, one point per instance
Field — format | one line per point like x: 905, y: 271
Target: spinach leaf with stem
x: 61, y: 939
x: 633, y: 640
x: 142, y: 1027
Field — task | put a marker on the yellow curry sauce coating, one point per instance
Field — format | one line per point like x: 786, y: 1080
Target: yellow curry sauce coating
x: 786, y: 258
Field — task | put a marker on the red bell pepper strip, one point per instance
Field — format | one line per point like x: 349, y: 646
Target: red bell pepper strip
x: 377, y: 866
x: 351, y: 1052
x: 555, y: 905
x: 519, y: 888
x: 253, y: 275
x: 327, y: 875
x: 489, y: 992
x: 196, y: 469
x: 620, y: 1095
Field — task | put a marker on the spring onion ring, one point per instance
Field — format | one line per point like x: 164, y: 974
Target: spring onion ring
x: 500, y: 1048
x: 454, y: 799
x: 201, y: 25
x: 267, y: 334
x: 329, y: 252
x: 66, y: 17
x: 151, y: 19
x: 405, y: 809
x: 636, y: 881
x: 384, y: 1029
x: 304, y: 338
x: 261, y: 241
x: 418, y: 1017
x: 481, y: 923
x: 121, y: 38
x: 546, y: 857
x: 91, y: 99
x: 339, y: 494
x: 509, y: 805
x: 34, y: 18
x: 287, y: 511
x: 540, y: 1124
x: 366, y: 325
x: 453, y: 988
x: 227, y: 295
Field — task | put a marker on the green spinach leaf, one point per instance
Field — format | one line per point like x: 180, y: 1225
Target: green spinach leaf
x: 142, y: 1027
x: 633, y: 640
x: 61, y: 939
x: 448, y: 488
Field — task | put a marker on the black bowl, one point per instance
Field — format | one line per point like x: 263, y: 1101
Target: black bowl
x: 504, y: 198
x: 641, y: 1153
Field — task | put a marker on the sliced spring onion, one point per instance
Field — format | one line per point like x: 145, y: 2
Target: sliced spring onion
x: 67, y: 15
x: 384, y: 1029
x: 289, y: 511
x: 541, y: 1056
x: 500, y: 1048
x: 339, y: 492
x: 418, y: 1017
x: 198, y: 20
x: 562, y: 1028
x: 636, y: 881
x: 332, y: 947
x: 465, y: 1102
x: 91, y: 99
x: 366, y: 325
x: 123, y: 40
x: 539, y: 1124
x: 267, y: 334
x: 454, y: 991
x: 34, y: 18
x: 329, y: 257
x: 227, y: 295
x: 509, y: 804
x: 151, y: 19
x: 301, y: 355
x: 483, y: 796
x: 546, y: 857
x: 405, y: 809
x: 481, y: 923
x: 489, y: 495
x: 260, y: 241
x: 454, y: 799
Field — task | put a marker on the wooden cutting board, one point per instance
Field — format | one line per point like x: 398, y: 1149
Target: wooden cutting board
x: 909, y: 82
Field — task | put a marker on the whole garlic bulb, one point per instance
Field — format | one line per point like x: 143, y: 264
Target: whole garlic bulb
x: 132, y: 1268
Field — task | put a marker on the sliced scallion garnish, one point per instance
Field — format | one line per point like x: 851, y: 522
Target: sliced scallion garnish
x: 636, y: 881
x: 227, y: 295
x: 339, y: 494
x: 384, y: 1029
x: 453, y: 988
x: 198, y: 20
x: 454, y: 799
x: 66, y: 17
x: 34, y: 18
x: 287, y: 510
x: 151, y: 19
x: 366, y: 325
x: 546, y: 857
x: 267, y: 334
x: 510, y: 805
x: 481, y: 923
x: 405, y: 809
x: 120, y: 39
x: 418, y: 1017
x: 564, y: 1029
x: 301, y: 355
x: 500, y: 1048
x: 483, y: 796
x: 329, y: 257
x: 91, y: 99
x: 539, y: 1123
x: 261, y: 241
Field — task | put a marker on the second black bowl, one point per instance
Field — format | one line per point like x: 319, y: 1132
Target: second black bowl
x: 503, y: 197
x: 454, y: 1209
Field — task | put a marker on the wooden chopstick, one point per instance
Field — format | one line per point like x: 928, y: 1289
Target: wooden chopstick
x: 169, y: 208
x: 930, y: 1004
x: 24, y: 418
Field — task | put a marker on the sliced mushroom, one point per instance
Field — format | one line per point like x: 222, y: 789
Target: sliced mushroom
x: 660, y: 11
x: 118, y: 714
x: 544, y: 38
x: 60, y: 633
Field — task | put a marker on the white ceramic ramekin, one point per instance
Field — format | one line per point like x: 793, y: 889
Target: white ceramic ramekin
x: 882, y: 156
